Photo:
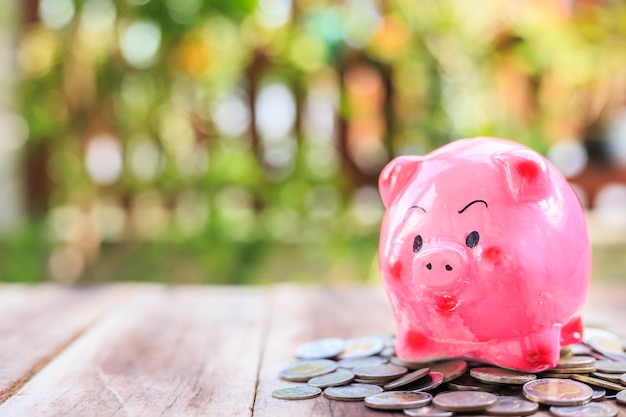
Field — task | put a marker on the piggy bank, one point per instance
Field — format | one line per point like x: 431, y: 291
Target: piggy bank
x: 484, y: 254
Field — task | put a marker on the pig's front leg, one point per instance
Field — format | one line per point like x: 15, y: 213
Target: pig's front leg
x: 533, y: 353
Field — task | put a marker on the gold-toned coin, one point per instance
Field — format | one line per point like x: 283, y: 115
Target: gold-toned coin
x: 566, y: 352
x: 490, y: 374
x: 559, y: 392
x: 302, y: 371
x: 321, y: 348
x: 351, y: 363
x: 512, y: 406
x: 451, y: 369
x: 598, y: 382
x: 611, y: 367
x: 382, y: 371
x: 464, y: 401
x: 398, y: 400
x: 407, y: 379
x: 360, y: 347
x: 352, y: 392
x: 427, y: 410
x: 600, y: 409
x: 333, y: 379
x: 300, y: 392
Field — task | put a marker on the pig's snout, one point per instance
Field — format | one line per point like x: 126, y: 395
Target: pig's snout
x: 440, y: 266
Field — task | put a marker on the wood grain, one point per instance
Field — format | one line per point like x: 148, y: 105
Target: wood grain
x: 36, y: 323
x: 152, y: 350
x: 165, y: 352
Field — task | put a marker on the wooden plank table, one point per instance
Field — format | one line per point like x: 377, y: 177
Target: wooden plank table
x: 152, y: 350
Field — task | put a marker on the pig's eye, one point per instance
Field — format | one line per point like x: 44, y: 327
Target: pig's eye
x: 472, y: 239
x: 417, y: 243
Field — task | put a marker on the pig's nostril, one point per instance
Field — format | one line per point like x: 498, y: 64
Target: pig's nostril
x: 448, y: 268
x: 429, y: 266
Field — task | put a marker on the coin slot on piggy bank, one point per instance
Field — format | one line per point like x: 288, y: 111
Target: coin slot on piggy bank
x: 484, y: 254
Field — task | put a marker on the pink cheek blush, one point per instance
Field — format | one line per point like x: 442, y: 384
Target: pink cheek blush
x: 483, y: 254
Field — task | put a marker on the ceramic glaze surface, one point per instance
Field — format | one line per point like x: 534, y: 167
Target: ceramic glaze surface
x: 484, y: 254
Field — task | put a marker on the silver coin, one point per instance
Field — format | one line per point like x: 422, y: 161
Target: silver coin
x: 621, y: 397
x: 333, y: 379
x: 351, y: 363
x: 512, y: 406
x: 412, y: 365
x: 598, y: 382
x: 352, y: 392
x: 491, y: 374
x: 464, y: 401
x: 569, y: 371
x: 427, y: 383
x: 598, y: 394
x: 407, y: 379
x: 360, y: 347
x: 451, y: 369
x: 467, y: 383
x: 559, y: 392
x: 398, y: 400
x: 611, y: 367
x: 300, y: 392
x: 575, y: 362
x: 427, y: 410
x: 604, y: 342
x: 382, y: 371
x: 321, y: 349
x: 601, y: 409
x: 302, y: 371
x: 580, y: 349
x: 379, y: 382
x: 608, y: 377
x: 388, y: 351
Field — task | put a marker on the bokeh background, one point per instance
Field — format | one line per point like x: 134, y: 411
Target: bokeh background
x: 240, y: 141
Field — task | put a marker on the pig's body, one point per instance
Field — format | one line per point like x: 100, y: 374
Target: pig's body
x: 484, y: 254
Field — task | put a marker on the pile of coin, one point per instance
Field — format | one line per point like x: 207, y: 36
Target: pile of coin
x: 366, y: 369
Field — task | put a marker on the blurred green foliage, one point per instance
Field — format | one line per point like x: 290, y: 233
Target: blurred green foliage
x: 240, y: 141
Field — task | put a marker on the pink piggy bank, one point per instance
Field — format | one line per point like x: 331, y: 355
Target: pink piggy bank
x: 484, y: 254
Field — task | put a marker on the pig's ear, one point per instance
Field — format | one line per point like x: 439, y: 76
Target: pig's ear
x: 396, y: 175
x: 526, y: 174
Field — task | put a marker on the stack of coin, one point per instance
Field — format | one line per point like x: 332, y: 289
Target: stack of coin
x: 378, y: 374
x: 366, y: 369
x: 580, y: 364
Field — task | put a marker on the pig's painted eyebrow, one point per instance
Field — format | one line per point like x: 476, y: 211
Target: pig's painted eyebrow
x: 412, y: 207
x: 473, y: 202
